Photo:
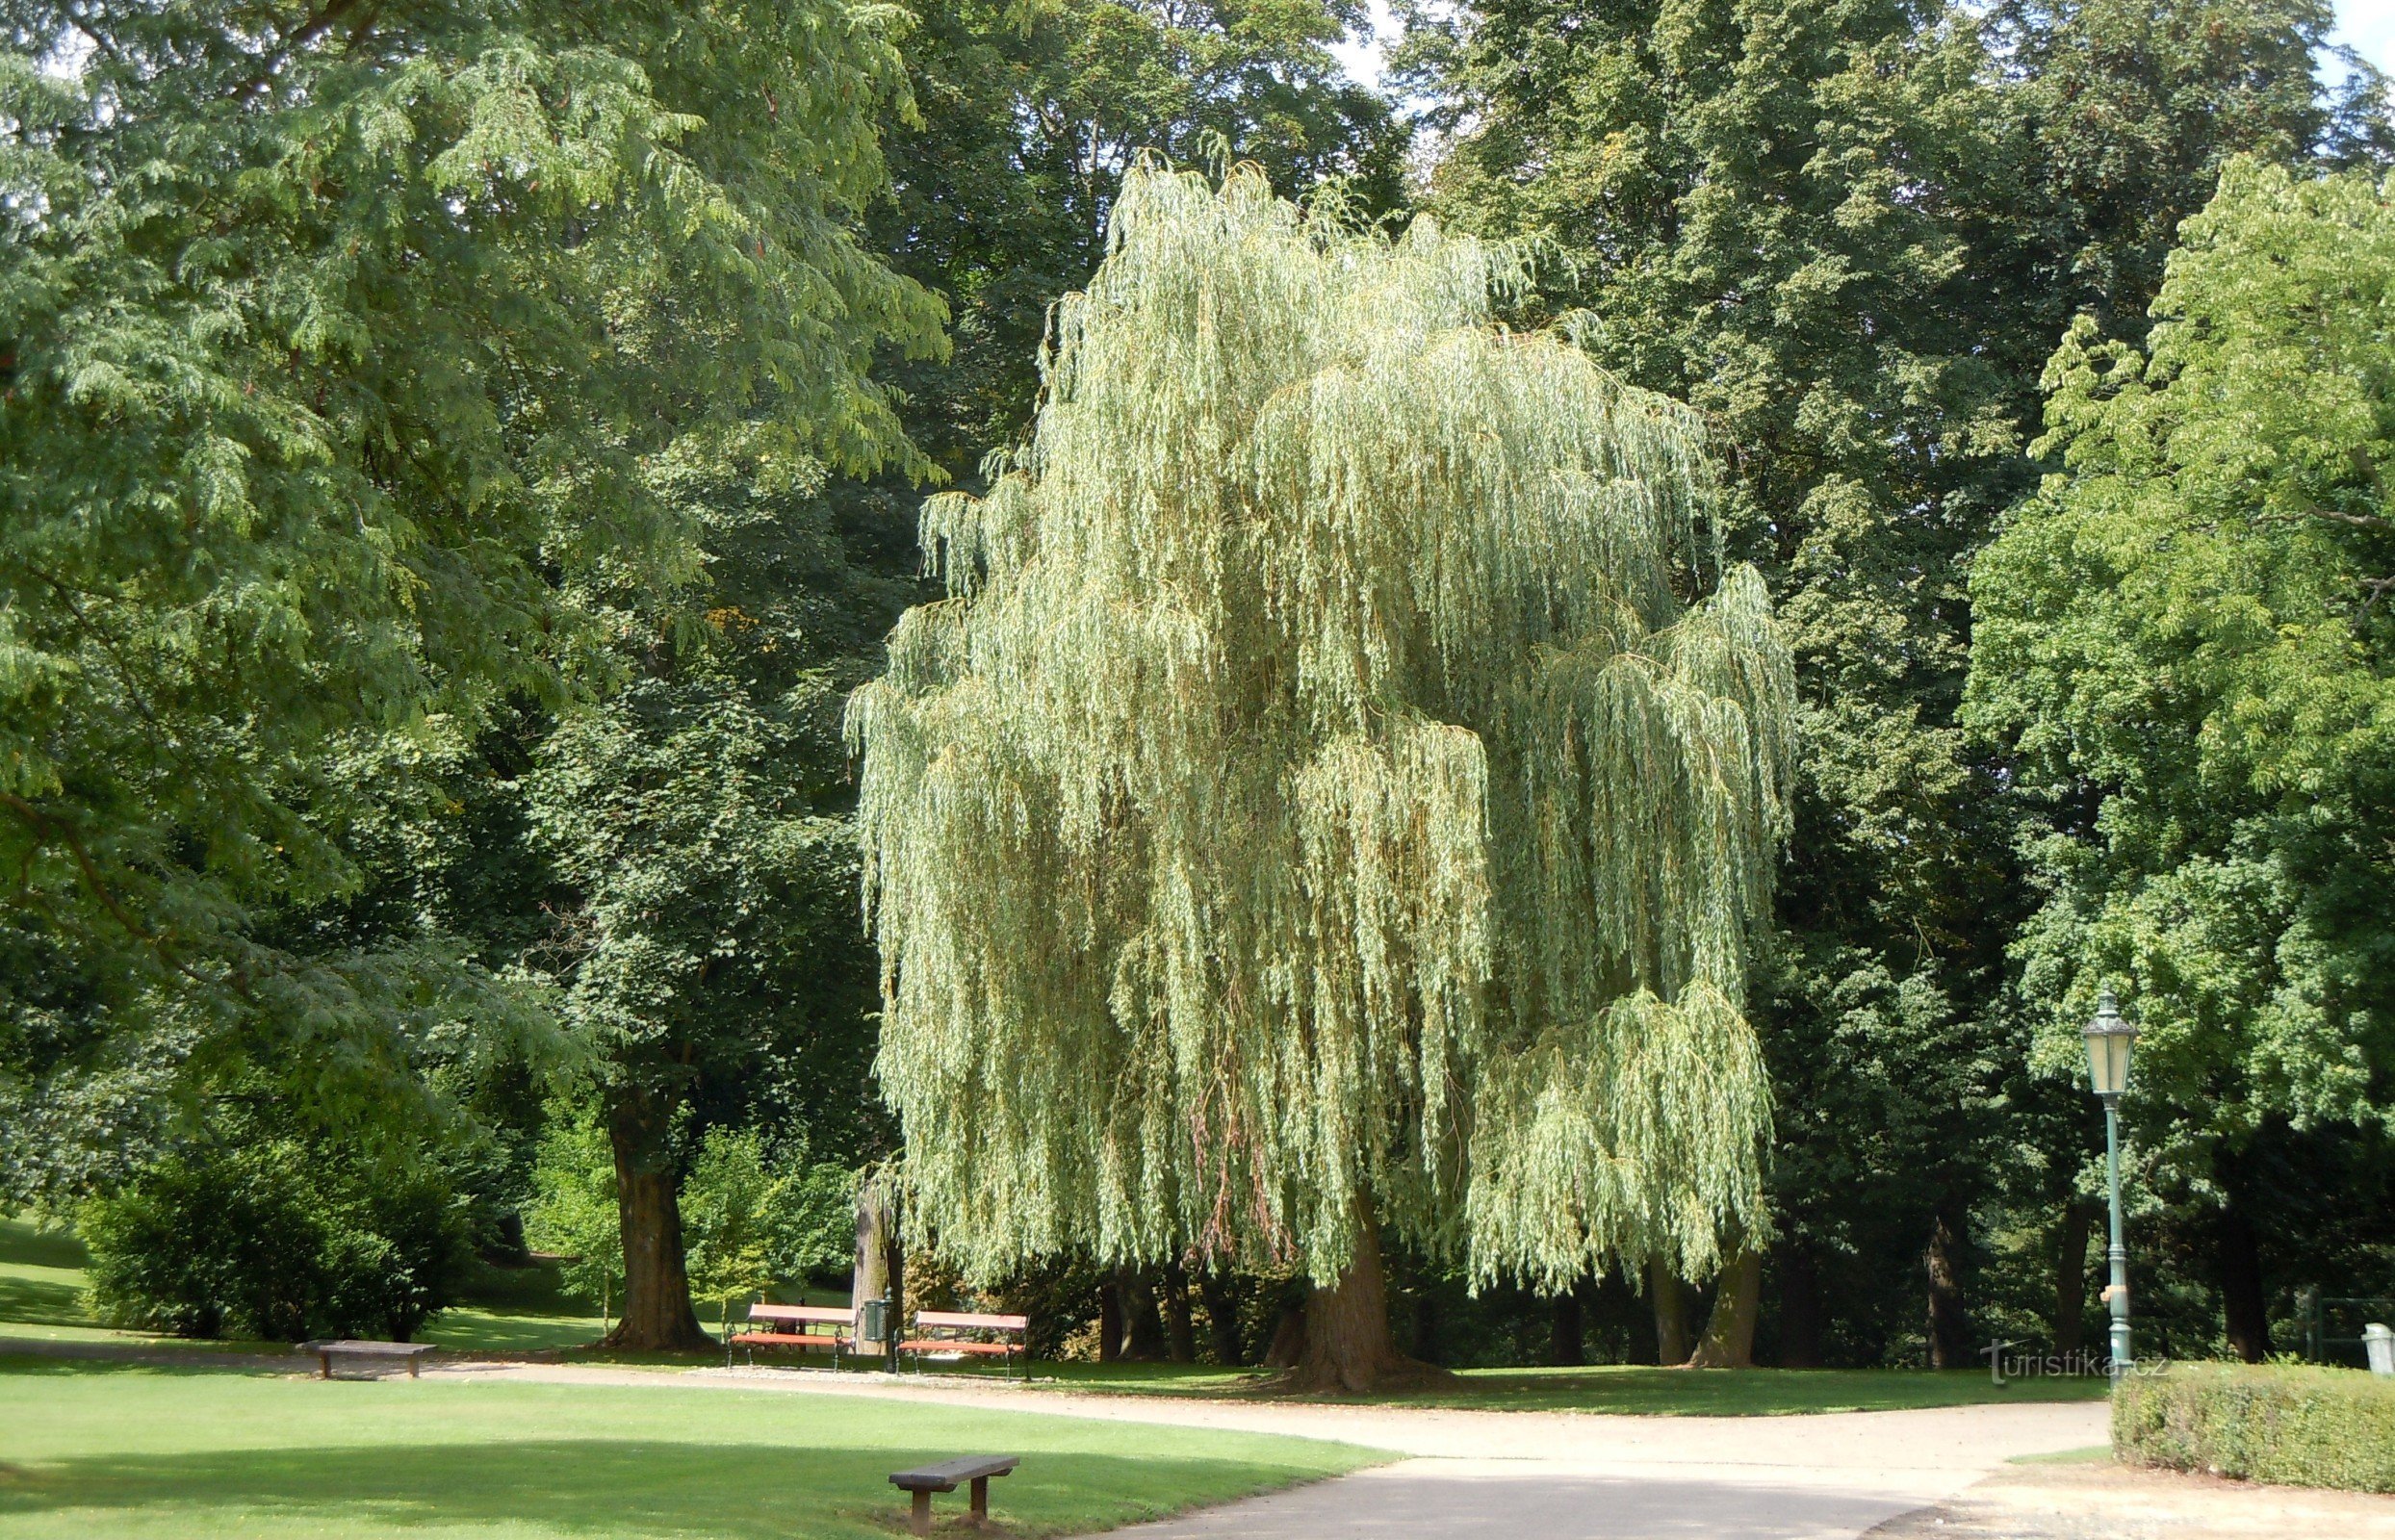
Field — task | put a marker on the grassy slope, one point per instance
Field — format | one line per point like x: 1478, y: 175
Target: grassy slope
x: 142, y: 1454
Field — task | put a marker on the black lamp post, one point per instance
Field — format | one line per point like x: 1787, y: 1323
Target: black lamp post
x: 2109, y: 1040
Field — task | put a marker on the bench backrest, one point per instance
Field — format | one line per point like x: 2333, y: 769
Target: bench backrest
x: 969, y: 1321
x: 802, y: 1315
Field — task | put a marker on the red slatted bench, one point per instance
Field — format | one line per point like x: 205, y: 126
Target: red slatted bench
x: 970, y: 1333
x: 803, y: 1328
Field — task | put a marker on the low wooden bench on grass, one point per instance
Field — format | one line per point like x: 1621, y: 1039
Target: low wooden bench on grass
x: 970, y: 1332
x: 805, y: 1328
x: 977, y: 1469
x: 377, y: 1352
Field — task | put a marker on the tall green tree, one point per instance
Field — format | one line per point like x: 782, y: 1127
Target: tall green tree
x: 1328, y: 803
x: 707, y: 953
x: 1769, y: 207
x: 1849, y: 234
x: 348, y: 350
x: 2184, y: 640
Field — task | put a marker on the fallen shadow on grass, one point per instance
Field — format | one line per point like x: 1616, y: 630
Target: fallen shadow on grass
x: 614, y: 1487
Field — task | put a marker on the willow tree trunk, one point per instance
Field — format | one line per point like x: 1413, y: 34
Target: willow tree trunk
x: 1180, y: 1330
x: 869, y: 1275
x: 1143, y: 1326
x: 1347, y: 1344
x: 1214, y: 1290
x: 657, y: 1317
x: 1670, y: 1298
x: 1729, y: 1340
x: 1109, y: 1321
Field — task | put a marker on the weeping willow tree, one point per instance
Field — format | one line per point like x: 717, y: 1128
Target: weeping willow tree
x: 1325, y: 803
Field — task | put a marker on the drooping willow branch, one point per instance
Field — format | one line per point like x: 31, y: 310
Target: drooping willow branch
x: 1315, y: 784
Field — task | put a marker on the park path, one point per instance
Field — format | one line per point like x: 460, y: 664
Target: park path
x: 1530, y: 1476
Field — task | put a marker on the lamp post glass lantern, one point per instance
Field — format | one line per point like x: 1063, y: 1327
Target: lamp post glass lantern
x: 2109, y: 1040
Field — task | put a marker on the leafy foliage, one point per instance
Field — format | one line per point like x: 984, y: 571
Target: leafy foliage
x: 1315, y: 765
x: 2182, y: 637
x: 277, y: 1237
x: 344, y: 353
x: 574, y: 1211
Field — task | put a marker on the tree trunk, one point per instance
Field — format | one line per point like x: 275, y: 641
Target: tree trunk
x: 1179, y: 1332
x: 1800, y: 1306
x: 869, y: 1277
x: 2243, y: 1301
x: 657, y: 1317
x: 1670, y: 1298
x: 1949, y: 1333
x: 1288, y: 1343
x: 2078, y: 1222
x: 1347, y: 1344
x: 1729, y: 1340
x: 1108, y: 1320
x: 1214, y: 1290
x: 1142, y: 1328
x: 1566, y: 1330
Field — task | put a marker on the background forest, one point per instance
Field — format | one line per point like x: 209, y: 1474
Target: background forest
x: 460, y: 457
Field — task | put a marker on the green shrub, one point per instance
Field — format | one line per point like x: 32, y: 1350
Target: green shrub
x: 2292, y: 1424
x: 269, y: 1239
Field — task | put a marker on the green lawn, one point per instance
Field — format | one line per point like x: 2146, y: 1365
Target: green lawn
x: 520, y: 1310
x: 134, y: 1453
x: 1625, y: 1389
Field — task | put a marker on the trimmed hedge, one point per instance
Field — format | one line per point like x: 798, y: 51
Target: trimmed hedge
x: 2287, y: 1423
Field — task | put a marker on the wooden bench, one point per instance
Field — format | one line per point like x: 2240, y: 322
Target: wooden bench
x: 803, y: 1328
x: 380, y: 1352
x: 968, y: 1333
x: 977, y: 1469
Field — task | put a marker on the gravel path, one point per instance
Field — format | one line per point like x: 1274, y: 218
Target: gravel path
x: 1533, y: 1476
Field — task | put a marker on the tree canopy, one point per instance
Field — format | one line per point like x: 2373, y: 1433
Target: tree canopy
x: 2185, y: 638
x: 1325, y: 796
x: 345, y: 355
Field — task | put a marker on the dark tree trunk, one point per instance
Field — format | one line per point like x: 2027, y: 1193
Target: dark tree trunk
x: 1288, y: 1343
x: 2078, y: 1222
x: 1110, y: 1320
x: 2244, y: 1303
x: 1729, y: 1340
x: 1179, y: 1332
x: 1800, y: 1307
x: 1673, y: 1308
x: 869, y: 1277
x: 1567, y: 1330
x: 1142, y: 1328
x: 1347, y: 1345
x: 1950, y: 1331
x: 657, y: 1317
x: 1231, y: 1346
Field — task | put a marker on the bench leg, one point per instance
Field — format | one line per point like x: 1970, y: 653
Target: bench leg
x: 981, y: 1499
x: 324, y: 1366
x: 920, y: 1520
x: 411, y: 1368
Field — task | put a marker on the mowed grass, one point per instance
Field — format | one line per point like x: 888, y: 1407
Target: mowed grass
x: 522, y: 1310
x: 1626, y: 1389
x: 92, y: 1450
